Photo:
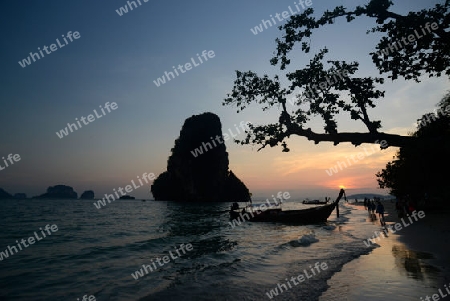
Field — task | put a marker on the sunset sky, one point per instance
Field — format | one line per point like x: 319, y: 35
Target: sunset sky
x: 117, y: 58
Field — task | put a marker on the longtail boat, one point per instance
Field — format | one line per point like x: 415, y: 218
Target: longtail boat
x: 313, y: 215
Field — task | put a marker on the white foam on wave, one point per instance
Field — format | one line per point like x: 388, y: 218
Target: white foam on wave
x: 307, y: 239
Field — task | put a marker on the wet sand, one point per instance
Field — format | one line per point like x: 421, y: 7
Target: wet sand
x: 412, y: 263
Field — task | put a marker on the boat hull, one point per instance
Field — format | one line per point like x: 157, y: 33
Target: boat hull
x: 314, y: 202
x: 314, y: 215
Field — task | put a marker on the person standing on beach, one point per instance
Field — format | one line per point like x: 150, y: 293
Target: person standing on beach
x: 380, y: 211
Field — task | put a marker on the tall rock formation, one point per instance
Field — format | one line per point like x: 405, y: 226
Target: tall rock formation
x: 197, y: 170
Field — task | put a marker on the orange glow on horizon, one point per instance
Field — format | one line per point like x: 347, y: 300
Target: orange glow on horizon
x: 323, y: 167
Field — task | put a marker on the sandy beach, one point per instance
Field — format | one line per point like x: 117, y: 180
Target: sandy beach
x: 410, y: 264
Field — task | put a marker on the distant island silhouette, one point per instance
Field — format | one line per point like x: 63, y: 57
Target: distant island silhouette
x: 87, y: 195
x: 20, y: 195
x: 204, y: 177
x: 53, y: 192
x: 5, y: 195
x: 368, y: 195
x: 58, y: 192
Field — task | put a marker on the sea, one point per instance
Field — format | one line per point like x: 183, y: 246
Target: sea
x: 96, y: 253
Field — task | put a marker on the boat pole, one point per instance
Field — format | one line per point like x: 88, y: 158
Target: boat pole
x: 341, y: 193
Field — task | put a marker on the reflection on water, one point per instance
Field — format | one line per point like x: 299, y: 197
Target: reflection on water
x: 200, y: 222
x: 412, y: 262
x: 391, y: 272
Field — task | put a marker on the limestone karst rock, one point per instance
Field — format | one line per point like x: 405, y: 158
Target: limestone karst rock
x: 197, y: 169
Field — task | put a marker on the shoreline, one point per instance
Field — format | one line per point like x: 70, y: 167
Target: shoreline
x: 429, y: 235
x: 409, y: 264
